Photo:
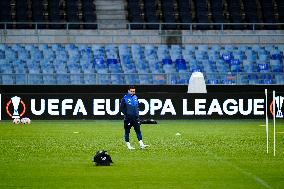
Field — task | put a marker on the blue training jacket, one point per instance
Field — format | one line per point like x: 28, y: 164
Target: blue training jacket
x: 129, y: 106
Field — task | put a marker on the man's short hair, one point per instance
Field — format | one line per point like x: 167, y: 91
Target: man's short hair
x: 131, y: 87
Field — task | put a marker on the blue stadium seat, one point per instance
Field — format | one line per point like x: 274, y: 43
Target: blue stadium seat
x: 20, y: 79
x: 212, y: 81
x: 249, y: 66
x: 243, y: 79
x: 23, y: 55
x: 276, y: 65
x: 35, y: 79
x: 89, y: 69
x: 2, y: 54
x: 227, y: 82
x: 10, y: 54
x: 168, y: 66
x: 229, y: 48
x: 49, y: 54
x: 8, y: 79
x: 180, y: 65
x: 145, y: 79
x: 99, y: 63
x: 60, y: 67
x: 266, y: 81
x: 159, y: 79
x: 49, y: 79
x: 43, y: 47
x: 253, y: 79
x: 263, y: 68
x: 89, y: 79
x: 279, y: 78
x: 116, y: 79
x: 250, y: 55
x: 3, y: 47
x: 76, y: 79
x: 36, y: 54
x: 216, y: 47
x: 47, y: 68
x: 235, y: 65
x: 103, y: 79
x: 213, y: 55
x: 227, y: 56
x: 62, y: 79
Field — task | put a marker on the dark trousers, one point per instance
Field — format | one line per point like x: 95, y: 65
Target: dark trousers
x: 128, y: 123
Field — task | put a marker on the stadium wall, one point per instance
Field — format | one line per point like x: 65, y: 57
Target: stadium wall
x: 143, y: 36
x: 140, y: 88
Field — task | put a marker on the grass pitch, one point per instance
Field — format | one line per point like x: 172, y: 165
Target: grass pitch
x: 207, y: 154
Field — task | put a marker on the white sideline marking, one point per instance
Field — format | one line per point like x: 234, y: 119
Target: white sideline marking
x: 248, y: 174
x: 76, y: 132
x: 262, y: 125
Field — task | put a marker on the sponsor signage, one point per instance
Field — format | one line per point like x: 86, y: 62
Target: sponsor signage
x: 152, y: 105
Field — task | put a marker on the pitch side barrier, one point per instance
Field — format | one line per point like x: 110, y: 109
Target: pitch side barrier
x: 140, y: 88
x: 152, y: 105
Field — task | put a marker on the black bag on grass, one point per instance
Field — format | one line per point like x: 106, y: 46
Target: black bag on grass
x: 102, y: 158
x: 148, y: 121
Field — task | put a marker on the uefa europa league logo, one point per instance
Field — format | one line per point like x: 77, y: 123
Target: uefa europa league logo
x: 279, y: 102
x: 16, y: 101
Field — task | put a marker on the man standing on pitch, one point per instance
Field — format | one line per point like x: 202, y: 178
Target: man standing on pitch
x: 129, y: 107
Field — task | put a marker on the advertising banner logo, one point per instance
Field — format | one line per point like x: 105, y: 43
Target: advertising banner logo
x: 278, y: 107
x: 15, y: 102
x: 151, y: 105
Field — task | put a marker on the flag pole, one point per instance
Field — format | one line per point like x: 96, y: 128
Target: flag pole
x: 274, y: 129
x: 266, y: 121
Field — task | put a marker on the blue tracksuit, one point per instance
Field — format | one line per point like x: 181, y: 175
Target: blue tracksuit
x: 129, y: 107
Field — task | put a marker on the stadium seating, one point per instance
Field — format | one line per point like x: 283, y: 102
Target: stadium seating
x: 203, y: 11
x: 75, y: 13
x: 56, y: 12
x: 140, y: 64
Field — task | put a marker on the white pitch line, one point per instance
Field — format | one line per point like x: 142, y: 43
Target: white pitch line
x: 251, y: 175
x: 248, y: 174
x: 262, y: 125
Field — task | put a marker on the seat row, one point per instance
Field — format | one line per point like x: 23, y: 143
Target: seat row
x: 174, y: 61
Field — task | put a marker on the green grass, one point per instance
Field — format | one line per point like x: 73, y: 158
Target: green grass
x: 207, y: 154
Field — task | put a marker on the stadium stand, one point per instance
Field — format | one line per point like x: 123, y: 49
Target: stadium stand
x: 57, y: 12
x: 140, y: 64
x: 78, y: 12
x: 204, y: 11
